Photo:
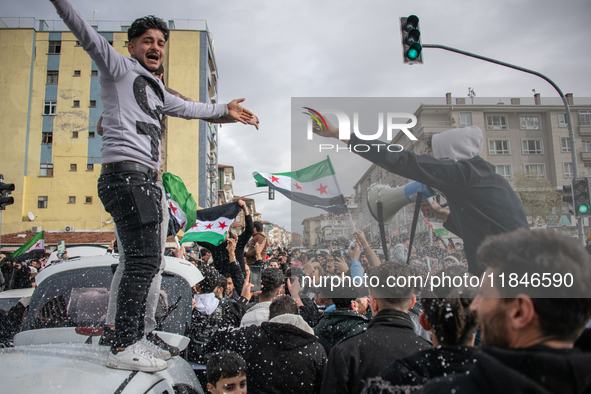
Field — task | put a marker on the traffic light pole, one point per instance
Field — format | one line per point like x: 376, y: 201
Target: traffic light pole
x: 571, y: 133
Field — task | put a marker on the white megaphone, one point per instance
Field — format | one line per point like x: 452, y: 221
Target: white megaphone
x: 394, y: 199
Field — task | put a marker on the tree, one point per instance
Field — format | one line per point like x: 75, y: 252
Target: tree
x: 537, y: 196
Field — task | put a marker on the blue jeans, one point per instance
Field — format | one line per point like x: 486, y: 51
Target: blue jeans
x: 134, y: 202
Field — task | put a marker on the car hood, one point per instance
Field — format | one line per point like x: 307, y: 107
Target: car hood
x: 76, y: 368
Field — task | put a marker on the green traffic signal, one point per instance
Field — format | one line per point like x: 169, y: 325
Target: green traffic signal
x: 414, y: 51
x: 583, y: 209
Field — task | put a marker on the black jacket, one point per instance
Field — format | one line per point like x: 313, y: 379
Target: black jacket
x: 389, y: 335
x: 335, y: 326
x: 481, y: 202
x: 281, y: 358
x: 537, y: 369
x: 416, y: 369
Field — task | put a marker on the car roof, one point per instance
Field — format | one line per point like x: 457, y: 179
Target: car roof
x: 17, y: 293
x: 180, y: 267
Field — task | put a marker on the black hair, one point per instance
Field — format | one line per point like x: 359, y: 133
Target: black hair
x: 392, y: 295
x: 258, y: 226
x: 224, y: 365
x: 282, y: 305
x: 562, y: 312
x: 142, y: 25
x: 271, y: 281
x: 447, y: 309
x: 211, y: 279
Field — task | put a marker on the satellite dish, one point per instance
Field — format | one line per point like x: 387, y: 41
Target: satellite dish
x: 31, y: 216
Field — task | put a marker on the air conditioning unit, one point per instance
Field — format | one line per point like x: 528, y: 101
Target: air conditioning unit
x: 36, y: 229
x: 69, y: 229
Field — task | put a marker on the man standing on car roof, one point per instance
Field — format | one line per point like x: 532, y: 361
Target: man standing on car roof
x: 134, y: 102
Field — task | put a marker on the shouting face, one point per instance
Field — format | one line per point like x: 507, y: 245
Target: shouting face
x: 148, y: 49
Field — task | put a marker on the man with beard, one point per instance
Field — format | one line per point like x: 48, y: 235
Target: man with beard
x: 528, y: 330
x: 134, y: 103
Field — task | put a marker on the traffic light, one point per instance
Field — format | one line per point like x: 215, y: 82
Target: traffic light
x: 411, y: 40
x: 568, y: 197
x: 581, y: 197
x: 271, y: 194
x: 5, y: 190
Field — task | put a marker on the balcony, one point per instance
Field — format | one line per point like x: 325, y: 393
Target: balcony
x: 586, y: 156
x: 585, y: 130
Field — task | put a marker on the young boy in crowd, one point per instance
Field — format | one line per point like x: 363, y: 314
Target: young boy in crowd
x: 226, y: 373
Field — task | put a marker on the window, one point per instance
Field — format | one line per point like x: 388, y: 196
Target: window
x: 76, y: 104
x: 587, y: 171
x: 498, y: 147
x: 568, y: 170
x: 46, y: 170
x: 90, y: 167
x: 77, y: 43
x: 532, y: 147
x: 55, y: 47
x: 586, y: 146
x: 565, y: 144
x: 227, y: 179
x: 88, y: 200
x: 73, y: 167
x: 496, y: 122
x: 42, y: 202
x: 76, y: 73
x: 50, y: 108
x: 47, y: 137
x: 92, y: 103
x: 91, y: 134
x: 94, y: 73
x: 72, y: 200
x: 562, y: 120
x: 535, y: 170
x: 504, y: 171
x: 585, y: 118
x: 52, y: 77
x: 74, y: 134
x: 529, y: 122
x: 465, y: 119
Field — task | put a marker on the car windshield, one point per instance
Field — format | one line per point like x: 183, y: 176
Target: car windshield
x: 80, y: 297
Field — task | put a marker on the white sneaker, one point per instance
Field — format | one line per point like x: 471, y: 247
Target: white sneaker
x: 136, y: 358
x: 156, y: 350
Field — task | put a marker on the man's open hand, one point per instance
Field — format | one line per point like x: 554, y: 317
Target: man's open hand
x: 241, y: 114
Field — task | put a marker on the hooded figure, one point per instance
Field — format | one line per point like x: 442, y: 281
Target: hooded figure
x: 481, y: 202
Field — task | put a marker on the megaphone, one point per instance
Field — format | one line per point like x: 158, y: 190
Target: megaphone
x: 394, y: 199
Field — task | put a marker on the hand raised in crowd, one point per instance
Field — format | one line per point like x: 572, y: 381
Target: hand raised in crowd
x: 241, y: 201
x: 231, y: 246
x: 246, y: 293
x: 328, y: 130
x: 239, y: 113
x: 179, y: 252
x: 355, y: 252
x: 436, y: 210
x: 293, y: 285
x: 360, y: 237
x: 258, y: 248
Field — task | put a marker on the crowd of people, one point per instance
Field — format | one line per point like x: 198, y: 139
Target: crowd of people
x: 289, y: 338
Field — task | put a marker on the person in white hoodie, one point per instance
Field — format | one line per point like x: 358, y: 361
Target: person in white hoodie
x: 283, y: 355
x: 481, y: 202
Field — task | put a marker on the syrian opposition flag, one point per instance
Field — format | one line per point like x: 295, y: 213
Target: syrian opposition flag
x: 212, y: 224
x: 181, y: 203
x: 315, y: 186
x: 35, y: 247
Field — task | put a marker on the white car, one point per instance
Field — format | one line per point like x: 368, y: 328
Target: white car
x: 10, y: 298
x: 57, y: 350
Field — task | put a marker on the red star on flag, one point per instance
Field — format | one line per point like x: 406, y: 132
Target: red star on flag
x: 172, y: 208
x: 37, y: 245
x: 298, y: 186
x: 195, y: 226
x: 209, y: 226
x: 322, y: 189
x: 274, y: 179
x: 223, y: 225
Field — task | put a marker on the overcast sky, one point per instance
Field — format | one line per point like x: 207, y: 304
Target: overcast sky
x: 270, y: 51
